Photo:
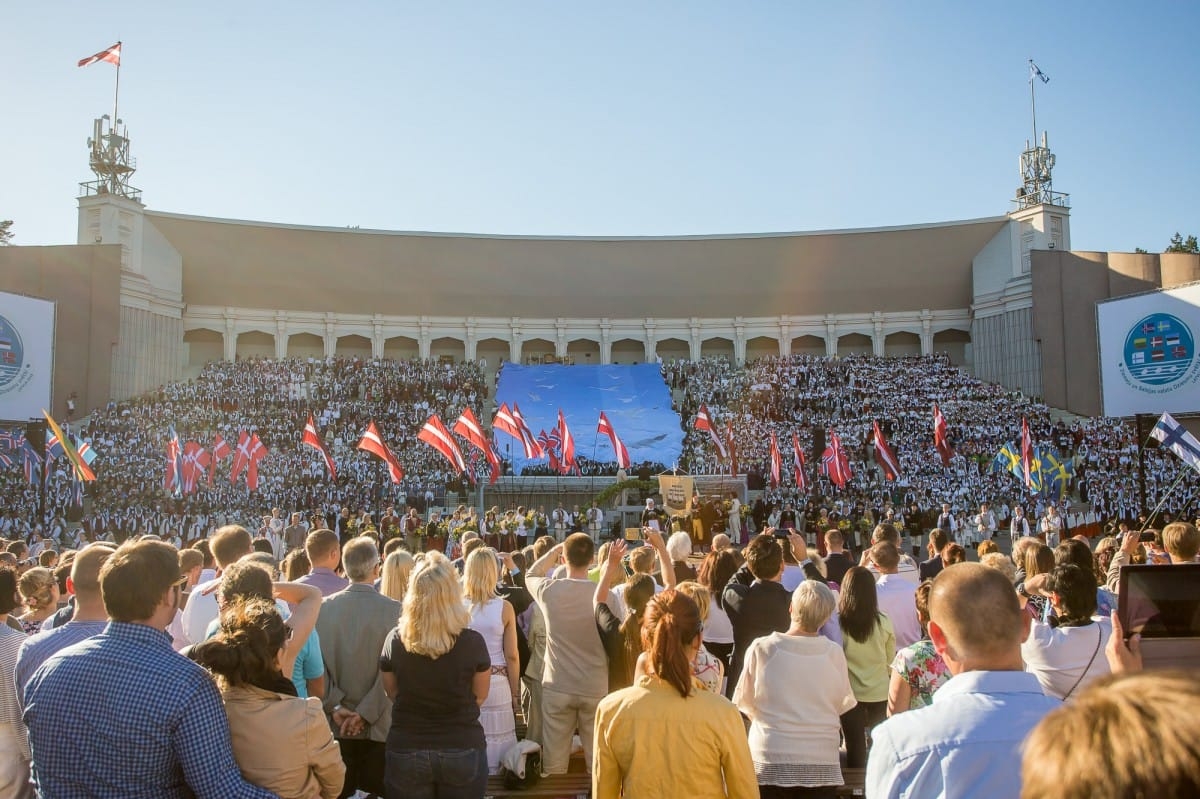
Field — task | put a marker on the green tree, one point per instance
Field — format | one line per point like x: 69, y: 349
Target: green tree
x: 1178, y: 244
x: 1140, y: 251
x: 5, y: 232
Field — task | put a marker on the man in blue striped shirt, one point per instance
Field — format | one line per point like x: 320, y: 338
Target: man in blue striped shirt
x: 122, y: 715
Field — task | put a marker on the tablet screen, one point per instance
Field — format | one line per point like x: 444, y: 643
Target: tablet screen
x: 1160, y: 601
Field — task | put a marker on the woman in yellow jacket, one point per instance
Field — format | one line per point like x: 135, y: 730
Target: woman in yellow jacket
x: 639, y: 748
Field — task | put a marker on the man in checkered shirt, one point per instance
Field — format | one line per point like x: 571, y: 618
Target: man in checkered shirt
x: 123, y: 714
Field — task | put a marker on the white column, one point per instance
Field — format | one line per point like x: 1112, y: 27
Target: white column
x: 377, y: 339
x: 281, y: 335
x: 695, y: 345
x: 739, y: 341
x: 514, y: 341
x: 831, y: 336
x: 229, y: 338
x: 560, y: 338
x: 424, y: 339
x: 469, y: 340
x: 877, y: 338
x: 605, y: 341
x: 785, y: 339
x: 926, y: 332
x: 330, y: 338
x: 650, y: 341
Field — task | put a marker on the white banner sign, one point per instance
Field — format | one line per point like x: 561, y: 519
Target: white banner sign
x: 26, y: 356
x: 1148, y: 358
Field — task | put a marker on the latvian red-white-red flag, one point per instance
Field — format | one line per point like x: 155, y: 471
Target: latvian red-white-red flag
x: 469, y: 428
x: 704, y: 422
x: 112, y: 55
x: 313, y: 439
x: 372, y: 442
x: 241, y: 456
x: 435, y: 434
x: 835, y: 462
x: 884, y: 455
x: 798, y: 464
x: 258, y: 451
x: 776, y: 461
x: 507, y: 422
x: 618, y: 446
x: 941, y: 436
x: 527, y: 437
x: 729, y: 442
x: 220, y: 451
x: 567, y: 455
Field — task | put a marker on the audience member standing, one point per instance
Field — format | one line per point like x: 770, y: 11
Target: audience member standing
x: 870, y: 644
x: 324, y: 554
x: 897, y: 597
x: 228, y: 545
x: 494, y: 619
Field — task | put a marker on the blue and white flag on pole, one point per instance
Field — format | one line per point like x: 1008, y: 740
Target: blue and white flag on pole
x: 1034, y: 72
x: 1175, y: 438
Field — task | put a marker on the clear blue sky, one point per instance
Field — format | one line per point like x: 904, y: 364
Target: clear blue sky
x: 609, y: 118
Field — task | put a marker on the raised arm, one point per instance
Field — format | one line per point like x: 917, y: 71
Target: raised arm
x: 615, y: 552
x: 306, y: 602
x: 654, y: 538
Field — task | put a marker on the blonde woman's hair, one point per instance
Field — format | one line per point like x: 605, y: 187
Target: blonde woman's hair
x: 481, y: 573
x: 434, y: 613
x: 397, y: 568
x: 36, y: 587
x: 699, y: 595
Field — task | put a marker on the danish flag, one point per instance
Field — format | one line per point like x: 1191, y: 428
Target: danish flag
x: 112, y: 55
x: 568, y: 445
x: 372, y: 442
x: 312, y: 438
x: 941, y: 436
x: 468, y: 427
x: 241, y: 456
x: 798, y: 464
x: 704, y: 422
x: 776, y: 461
x: 435, y: 434
x: 606, y: 428
x: 884, y: 455
x: 195, y: 462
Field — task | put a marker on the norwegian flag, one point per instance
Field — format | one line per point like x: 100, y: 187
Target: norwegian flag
x: 567, y: 458
x: 941, y: 436
x: 258, y: 451
x: 435, y: 434
x: 798, y: 464
x: 729, y: 442
x: 312, y: 438
x: 372, y: 442
x: 532, y: 448
x: 704, y: 422
x: 468, y: 427
x: 776, y: 461
x: 605, y: 427
x: 1026, y: 453
x: 884, y: 455
x: 241, y: 456
x: 835, y: 463
x: 173, y: 480
x: 551, y: 442
x: 195, y: 463
x: 112, y: 55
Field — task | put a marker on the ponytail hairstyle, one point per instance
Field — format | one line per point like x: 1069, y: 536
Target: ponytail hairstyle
x: 246, y: 649
x: 637, y: 594
x: 671, y: 624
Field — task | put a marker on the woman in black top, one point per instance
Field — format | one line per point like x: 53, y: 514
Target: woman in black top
x: 437, y: 672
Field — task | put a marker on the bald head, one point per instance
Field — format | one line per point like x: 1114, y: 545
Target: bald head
x: 978, y: 615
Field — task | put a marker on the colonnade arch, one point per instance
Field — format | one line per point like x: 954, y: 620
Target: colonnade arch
x: 901, y: 344
x: 305, y: 345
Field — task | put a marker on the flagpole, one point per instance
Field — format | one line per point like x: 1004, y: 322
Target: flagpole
x: 1182, y: 474
x: 1033, y: 100
x: 117, y: 90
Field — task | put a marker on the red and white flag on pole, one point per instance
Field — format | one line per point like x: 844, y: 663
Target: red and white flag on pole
x: 567, y: 455
x: 835, y: 462
x: 112, y: 55
x: 776, y: 461
x: 729, y: 442
x: 372, y: 442
x: 798, y: 464
x: 195, y: 462
x: 941, y: 436
x: 313, y: 439
x: 884, y: 456
x: 704, y: 422
x: 258, y: 451
x: 618, y: 446
x: 220, y: 451
x: 532, y: 448
x: 1026, y: 453
x: 241, y: 456
x: 435, y: 434
x: 469, y: 428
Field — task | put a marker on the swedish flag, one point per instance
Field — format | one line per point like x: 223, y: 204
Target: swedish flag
x: 1006, y: 460
x: 1057, y: 474
x: 1037, y: 470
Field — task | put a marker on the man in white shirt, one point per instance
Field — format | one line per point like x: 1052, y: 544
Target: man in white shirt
x: 897, y: 596
x: 228, y: 545
x: 1050, y: 527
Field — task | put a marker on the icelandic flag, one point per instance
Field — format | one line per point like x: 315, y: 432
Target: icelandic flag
x: 1148, y: 327
x: 84, y: 449
x: 1174, y: 437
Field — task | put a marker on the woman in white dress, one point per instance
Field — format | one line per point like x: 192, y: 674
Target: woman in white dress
x: 494, y: 619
